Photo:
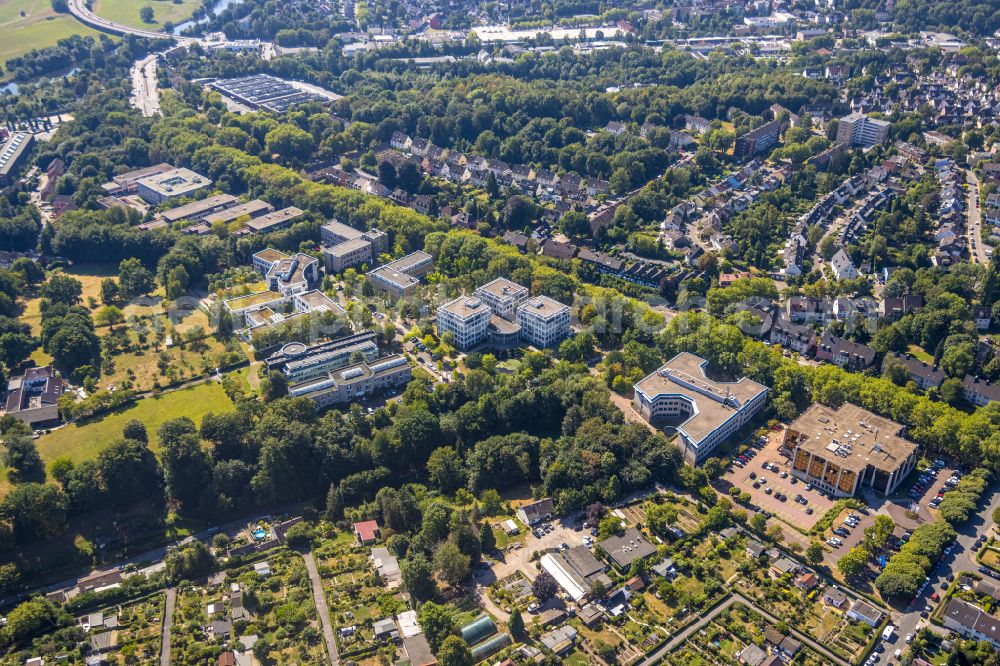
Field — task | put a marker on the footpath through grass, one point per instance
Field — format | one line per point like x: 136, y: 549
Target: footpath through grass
x: 83, y: 441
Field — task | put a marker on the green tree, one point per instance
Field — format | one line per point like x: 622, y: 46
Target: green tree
x: 62, y: 288
x: 455, y: 652
x: 451, y: 563
x: 515, y: 625
x: 418, y: 577
x: 134, y: 279
x: 853, y: 562
x: 35, y: 511
x: 30, y: 618
x: 445, y: 469
x: 437, y: 624
x: 146, y: 14
x: 487, y: 539
x: 289, y: 142
x: 814, y: 553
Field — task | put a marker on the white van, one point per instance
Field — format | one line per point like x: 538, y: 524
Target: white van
x: 887, y: 633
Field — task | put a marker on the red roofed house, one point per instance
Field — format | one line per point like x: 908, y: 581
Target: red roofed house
x: 367, y: 532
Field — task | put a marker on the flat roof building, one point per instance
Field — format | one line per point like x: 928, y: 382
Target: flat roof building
x: 299, y: 362
x: 269, y: 222
x: 503, y: 297
x: 544, y: 321
x: 170, y: 185
x: 354, y: 381
x: 623, y: 550
x: 125, y: 183
x: 400, y: 278
x: 345, y: 246
x: 12, y: 154
x: 197, y: 210
x: 251, y: 209
x: 708, y: 411
x: 857, y: 129
x: 844, y: 450
x: 466, y: 318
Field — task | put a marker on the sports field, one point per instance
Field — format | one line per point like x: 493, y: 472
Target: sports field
x: 126, y: 12
x: 38, y: 27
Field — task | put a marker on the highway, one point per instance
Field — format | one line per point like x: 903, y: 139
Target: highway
x: 78, y: 9
x: 974, y: 228
x: 145, y: 95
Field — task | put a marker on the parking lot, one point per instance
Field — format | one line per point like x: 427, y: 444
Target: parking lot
x: 519, y: 559
x: 778, y: 479
x: 924, y: 488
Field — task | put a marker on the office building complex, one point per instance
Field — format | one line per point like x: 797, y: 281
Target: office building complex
x: 400, y: 278
x: 466, y: 318
x: 544, y: 322
x: 168, y: 185
x: 354, y: 381
x: 503, y: 297
x: 299, y: 362
x: 346, y: 246
x: 704, y: 411
x: 847, y: 449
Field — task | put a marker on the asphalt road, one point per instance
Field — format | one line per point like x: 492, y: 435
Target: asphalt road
x: 145, y: 95
x: 168, y: 623
x: 962, y: 558
x: 974, y: 229
x: 78, y: 9
x: 324, y: 611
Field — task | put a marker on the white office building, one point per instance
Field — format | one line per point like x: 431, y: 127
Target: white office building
x: 466, y: 318
x: 503, y: 297
x: 544, y: 321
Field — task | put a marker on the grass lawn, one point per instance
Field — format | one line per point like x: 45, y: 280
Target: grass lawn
x: 127, y: 11
x: 39, y: 27
x: 919, y: 354
x: 84, y: 441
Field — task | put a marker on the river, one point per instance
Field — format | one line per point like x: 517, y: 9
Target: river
x: 216, y: 7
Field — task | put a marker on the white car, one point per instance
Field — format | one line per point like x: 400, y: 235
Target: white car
x: 909, y: 638
x: 835, y: 542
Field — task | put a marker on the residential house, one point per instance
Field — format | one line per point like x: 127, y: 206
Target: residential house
x: 845, y: 353
x: 536, y: 512
x: 863, y: 611
x: 367, y: 532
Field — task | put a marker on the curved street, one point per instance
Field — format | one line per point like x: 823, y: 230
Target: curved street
x: 81, y: 13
